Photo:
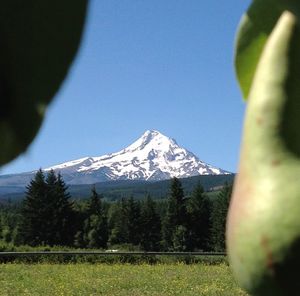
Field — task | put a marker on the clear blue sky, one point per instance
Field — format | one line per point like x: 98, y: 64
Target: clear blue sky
x: 164, y: 65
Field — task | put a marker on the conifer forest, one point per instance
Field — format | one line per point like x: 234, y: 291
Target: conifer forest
x: 48, y: 216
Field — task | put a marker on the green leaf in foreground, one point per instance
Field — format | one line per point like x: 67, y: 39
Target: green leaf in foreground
x: 39, y: 40
x: 254, y: 30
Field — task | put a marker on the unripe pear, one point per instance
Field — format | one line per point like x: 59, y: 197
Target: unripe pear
x: 263, y: 228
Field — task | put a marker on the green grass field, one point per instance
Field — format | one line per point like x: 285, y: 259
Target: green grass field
x: 117, y: 279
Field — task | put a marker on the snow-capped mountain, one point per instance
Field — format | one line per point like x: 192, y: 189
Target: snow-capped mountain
x: 152, y: 157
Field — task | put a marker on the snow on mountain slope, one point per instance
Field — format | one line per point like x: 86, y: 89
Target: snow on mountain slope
x: 153, y: 156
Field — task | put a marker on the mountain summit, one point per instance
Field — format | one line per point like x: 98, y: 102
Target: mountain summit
x: 152, y: 157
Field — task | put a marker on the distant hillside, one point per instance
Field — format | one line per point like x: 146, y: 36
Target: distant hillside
x: 139, y: 189
x: 114, y: 190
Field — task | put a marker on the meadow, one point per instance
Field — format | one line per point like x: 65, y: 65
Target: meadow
x: 117, y: 279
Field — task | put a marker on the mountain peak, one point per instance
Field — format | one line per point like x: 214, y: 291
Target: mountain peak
x: 151, y: 132
x: 153, y: 156
x: 150, y: 135
x: 153, y: 138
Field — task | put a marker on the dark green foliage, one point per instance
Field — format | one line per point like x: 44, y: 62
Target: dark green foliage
x: 150, y: 226
x: 63, y: 214
x: 33, y: 225
x: 179, y: 223
x: 9, y: 221
x: 218, y: 218
x: 98, y: 234
x: 180, y: 239
x: 33, y: 64
x: 47, y: 212
x: 177, y: 206
x: 176, y: 214
x: 79, y: 239
x: 119, y: 223
x: 134, y: 221
x: 125, y: 222
x: 80, y: 215
x: 95, y: 231
x: 95, y: 204
x: 199, y: 211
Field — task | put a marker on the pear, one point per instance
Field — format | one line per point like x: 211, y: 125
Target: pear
x: 263, y: 225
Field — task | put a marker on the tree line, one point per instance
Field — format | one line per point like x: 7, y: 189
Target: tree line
x: 48, y: 216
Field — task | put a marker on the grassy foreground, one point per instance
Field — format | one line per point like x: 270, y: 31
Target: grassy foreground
x: 117, y: 279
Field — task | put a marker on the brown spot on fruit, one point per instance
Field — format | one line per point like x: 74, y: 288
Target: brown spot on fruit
x: 259, y: 120
x: 275, y: 162
x: 269, y: 257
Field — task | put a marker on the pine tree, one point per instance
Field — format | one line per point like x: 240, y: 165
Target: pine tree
x: 95, y: 204
x: 119, y: 223
x: 180, y: 239
x: 79, y: 239
x: 33, y: 226
x: 150, y: 226
x: 176, y: 213
x: 46, y: 212
x: 199, y: 211
x: 98, y: 234
x: 80, y: 215
x: 64, y: 214
x: 96, y: 226
x: 9, y: 223
x: 16, y: 236
x: 218, y: 218
x: 51, y: 225
x: 134, y: 221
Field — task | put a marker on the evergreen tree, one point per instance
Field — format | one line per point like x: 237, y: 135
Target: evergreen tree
x: 16, y: 238
x: 79, y: 217
x: 46, y: 212
x: 32, y: 226
x: 176, y: 213
x: 96, y: 226
x: 199, y: 211
x: 9, y: 221
x: 79, y: 239
x: 95, y: 203
x: 180, y: 239
x: 51, y: 225
x: 150, y: 226
x: 98, y: 235
x: 134, y: 221
x: 119, y: 223
x: 63, y: 214
x: 7, y: 234
x: 218, y: 218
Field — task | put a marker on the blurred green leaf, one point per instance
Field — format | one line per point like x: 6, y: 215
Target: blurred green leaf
x: 255, y: 27
x: 39, y: 40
